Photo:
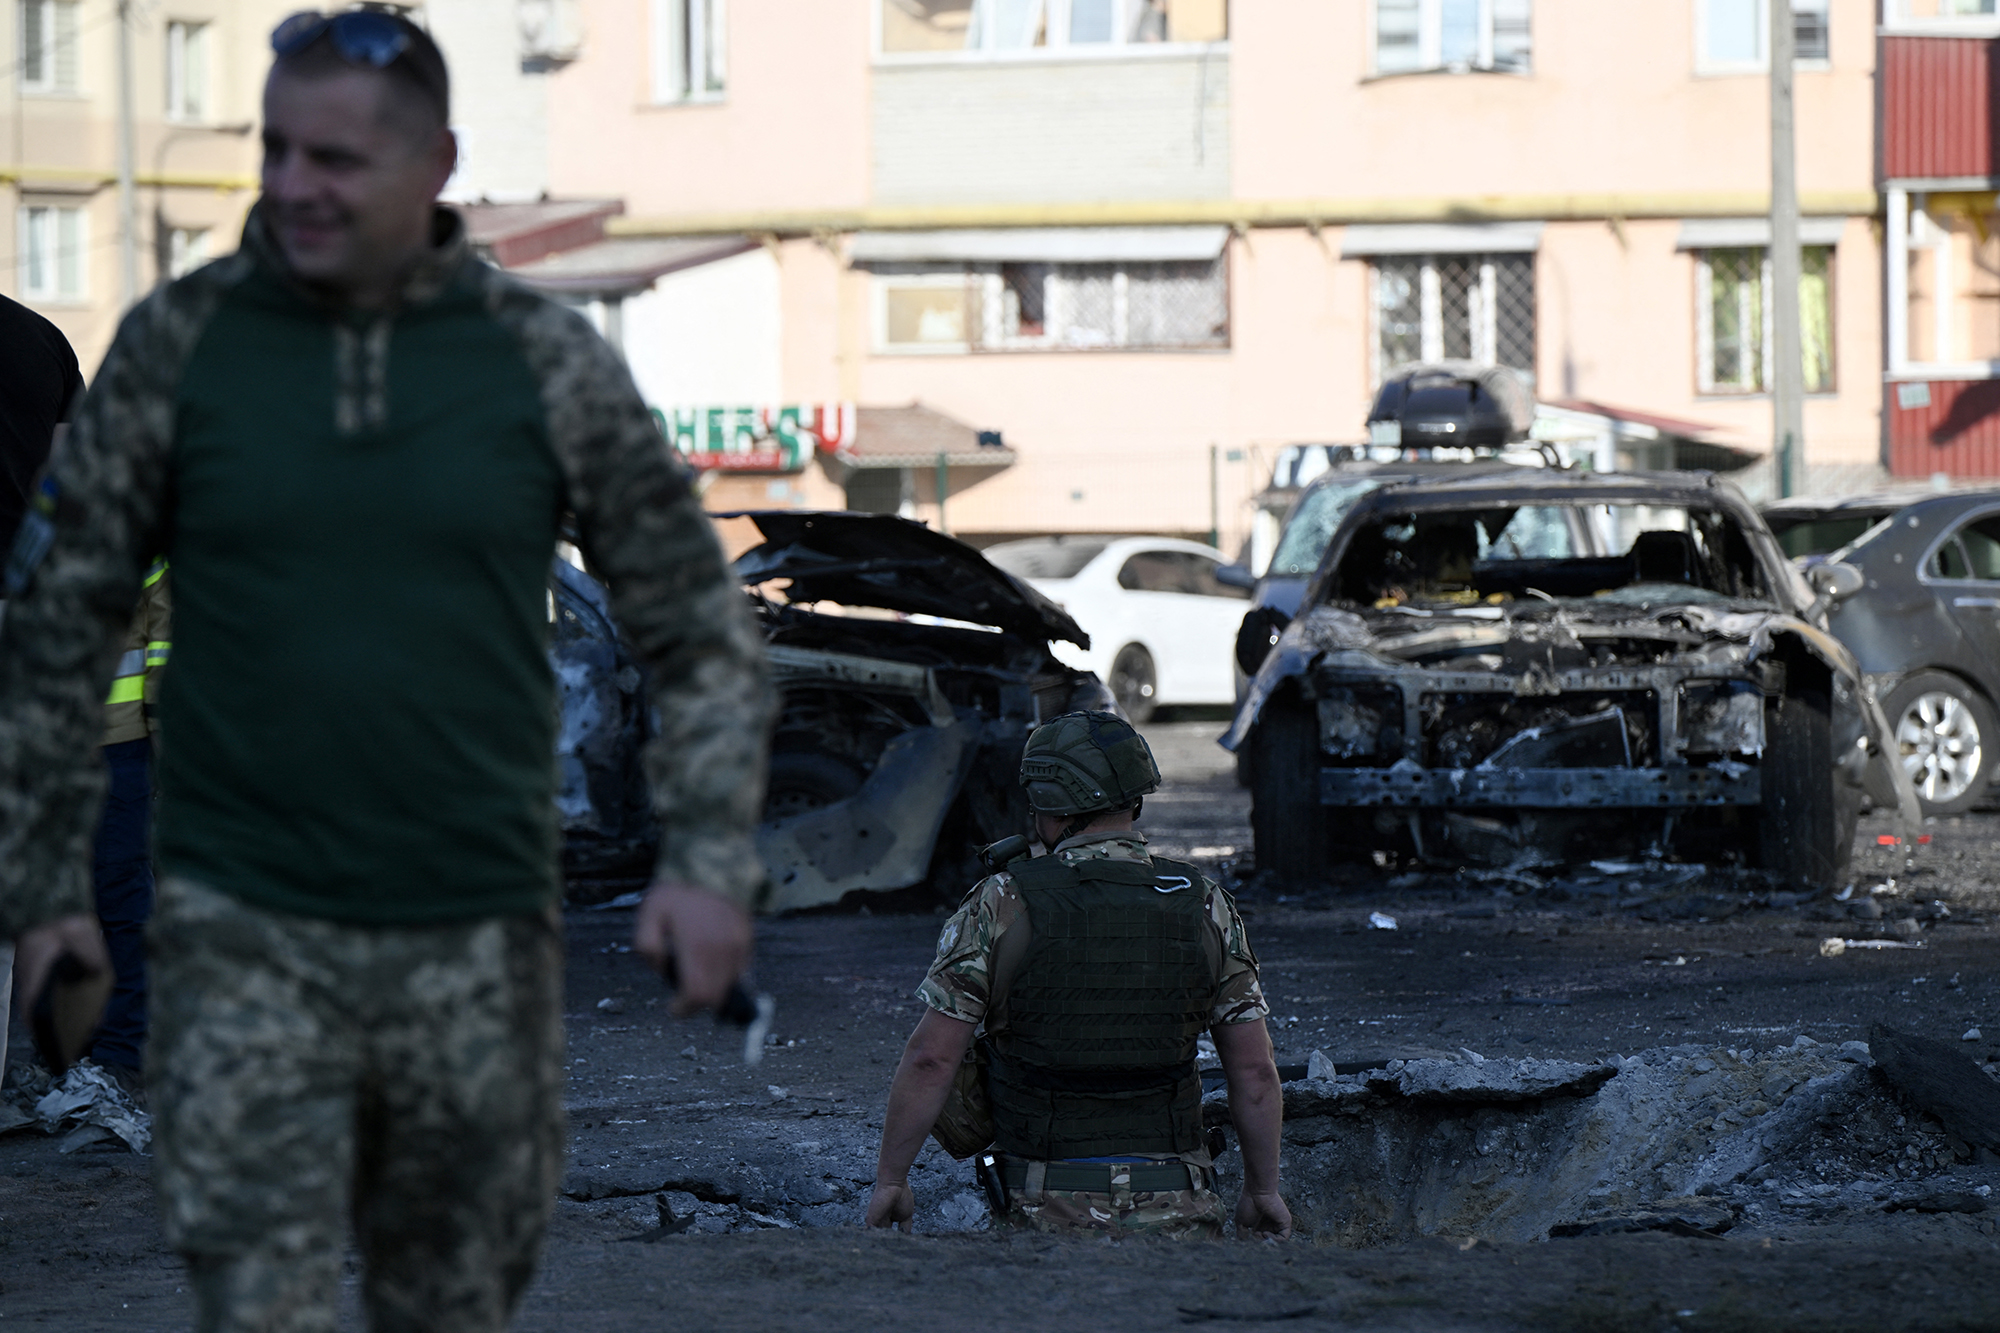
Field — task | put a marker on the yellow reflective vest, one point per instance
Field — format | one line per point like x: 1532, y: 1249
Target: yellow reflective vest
x: 128, y: 715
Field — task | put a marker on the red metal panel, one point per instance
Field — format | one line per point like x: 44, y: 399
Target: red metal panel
x: 1937, y: 107
x: 1957, y: 432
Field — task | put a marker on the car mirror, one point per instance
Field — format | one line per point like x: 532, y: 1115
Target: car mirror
x: 1835, y: 581
x: 1235, y: 576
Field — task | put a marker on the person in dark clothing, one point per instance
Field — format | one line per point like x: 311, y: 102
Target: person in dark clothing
x: 39, y: 384
x: 38, y: 387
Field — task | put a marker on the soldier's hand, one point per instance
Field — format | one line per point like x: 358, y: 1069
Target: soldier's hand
x: 707, y: 936
x: 36, y: 952
x: 1263, y: 1216
x: 891, y: 1206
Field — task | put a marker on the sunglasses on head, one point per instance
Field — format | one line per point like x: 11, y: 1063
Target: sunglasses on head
x: 370, y: 37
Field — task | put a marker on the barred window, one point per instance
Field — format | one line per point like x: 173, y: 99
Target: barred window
x: 1130, y: 305
x: 1464, y: 307
x: 1734, y: 323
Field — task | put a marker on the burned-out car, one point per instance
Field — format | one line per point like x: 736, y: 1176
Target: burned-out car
x: 910, y: 671
x: 1517, y: 670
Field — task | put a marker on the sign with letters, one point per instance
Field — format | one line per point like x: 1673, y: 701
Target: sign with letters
x: 757, y: 439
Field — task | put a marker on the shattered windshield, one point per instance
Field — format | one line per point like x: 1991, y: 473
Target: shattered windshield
x: 1311, y: 526
x: 1610, y: 554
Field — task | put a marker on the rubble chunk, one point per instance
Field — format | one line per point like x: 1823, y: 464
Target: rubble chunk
x: 1942, y: 1081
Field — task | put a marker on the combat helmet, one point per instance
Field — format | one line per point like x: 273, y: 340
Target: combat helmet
x: 1086, y: 764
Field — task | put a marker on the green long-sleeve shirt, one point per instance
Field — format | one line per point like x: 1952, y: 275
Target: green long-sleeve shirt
x: 359, y: 510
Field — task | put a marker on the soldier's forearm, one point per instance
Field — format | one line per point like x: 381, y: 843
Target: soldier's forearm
x: 919, y: 1091
x: 1256, y: 1102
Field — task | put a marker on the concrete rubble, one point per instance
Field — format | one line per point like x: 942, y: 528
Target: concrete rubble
x: 1683, y: 1139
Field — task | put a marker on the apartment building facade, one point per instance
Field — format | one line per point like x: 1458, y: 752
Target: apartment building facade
x: 197, y: 75
x: 196, y: 67
x: 1148, y: 243
x: 1940, y: 170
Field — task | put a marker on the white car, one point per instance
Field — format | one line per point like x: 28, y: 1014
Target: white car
x: 1162, y: 625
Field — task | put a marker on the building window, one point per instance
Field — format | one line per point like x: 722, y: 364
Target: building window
x: 187, y: 71
x: 54, y: 243
x: 996, y: 27
x: 1413, y: 36
x: 1734, y: 320
x: 1455, y: 307
x: 1734, y: 36
x: 689, y: 49
x: 1939, y: 15
x: 187, y: 250
x: 1131, y: 305
x: 48, y: 46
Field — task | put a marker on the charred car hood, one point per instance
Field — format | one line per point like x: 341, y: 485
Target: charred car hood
x: 883, y: 561
x: 1725, y: 633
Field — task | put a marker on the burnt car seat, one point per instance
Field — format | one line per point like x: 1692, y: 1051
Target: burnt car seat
x: 1664, y: 556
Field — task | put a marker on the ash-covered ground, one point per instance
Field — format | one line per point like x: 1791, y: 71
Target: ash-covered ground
x: 1654, y: 1065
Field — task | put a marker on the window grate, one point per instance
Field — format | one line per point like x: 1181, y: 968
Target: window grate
x: 1461, y: 307
x: 1133, y: 306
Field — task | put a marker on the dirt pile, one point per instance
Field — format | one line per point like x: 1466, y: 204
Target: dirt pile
x: 1679, y: 1138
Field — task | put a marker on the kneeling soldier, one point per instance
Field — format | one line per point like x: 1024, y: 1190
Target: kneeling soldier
x: 1093, y: 970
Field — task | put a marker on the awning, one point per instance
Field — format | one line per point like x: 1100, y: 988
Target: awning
x: 1728, y: 233
x: 625, y: 265
x: 1440, y: 238
x: 914, y: 436
x: 1047, y: 245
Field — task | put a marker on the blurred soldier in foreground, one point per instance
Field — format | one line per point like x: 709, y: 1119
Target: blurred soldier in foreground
x: 355, y: 443
x: 1093, y: 970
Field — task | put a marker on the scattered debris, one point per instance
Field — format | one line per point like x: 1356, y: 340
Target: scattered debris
x: 90, y: 1105
x: 1971, y: 1034
x: 1381, y: 921
x: 1834, y: 947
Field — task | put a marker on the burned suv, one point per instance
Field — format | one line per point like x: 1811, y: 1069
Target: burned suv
x: 910, y: 671
x: 1511, y: 670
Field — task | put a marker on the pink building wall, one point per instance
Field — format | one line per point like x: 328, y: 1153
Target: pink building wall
x: 1613, y: 138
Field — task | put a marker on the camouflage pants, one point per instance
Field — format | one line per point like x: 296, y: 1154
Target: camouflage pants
x: 306, y: 1074
x: 1175, y: 1214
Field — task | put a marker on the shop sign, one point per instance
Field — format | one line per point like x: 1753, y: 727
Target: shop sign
x: 757, y: 439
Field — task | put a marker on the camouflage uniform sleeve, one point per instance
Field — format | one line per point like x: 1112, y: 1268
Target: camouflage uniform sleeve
x: 671, y: 592
x: 73, y: 579
x: 960, y: 981
x: 1239, y: 993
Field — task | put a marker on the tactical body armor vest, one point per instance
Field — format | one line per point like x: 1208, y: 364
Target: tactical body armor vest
x: 1096, y: 1053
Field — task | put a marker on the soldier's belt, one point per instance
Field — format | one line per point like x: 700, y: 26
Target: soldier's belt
x: 1096, y: 1177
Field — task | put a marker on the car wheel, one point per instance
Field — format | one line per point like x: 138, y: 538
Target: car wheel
x: 1134, y: 683
x: 1286, y: 817
x: 1940, y: 728
x: 1798, y: 827
x: 803, y: 780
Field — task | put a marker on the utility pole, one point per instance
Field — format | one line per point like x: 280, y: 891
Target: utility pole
x: 128, y: 196
x: 1787, y: 371
x: 1214, y: 496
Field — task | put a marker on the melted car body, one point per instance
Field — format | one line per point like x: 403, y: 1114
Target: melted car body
x: 1515, y: 670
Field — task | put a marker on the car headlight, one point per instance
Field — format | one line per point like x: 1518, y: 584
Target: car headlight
x: 1721, y: 717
